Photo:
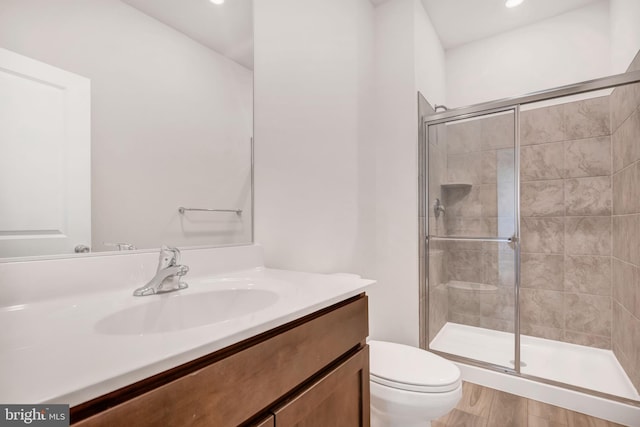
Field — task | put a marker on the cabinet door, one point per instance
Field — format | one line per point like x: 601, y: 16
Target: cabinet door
x: 265, y: 422
x: 338, y: 399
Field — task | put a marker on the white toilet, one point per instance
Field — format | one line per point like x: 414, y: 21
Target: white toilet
x: 410, y: 387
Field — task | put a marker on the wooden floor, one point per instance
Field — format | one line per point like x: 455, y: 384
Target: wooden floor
x: 486, y: 407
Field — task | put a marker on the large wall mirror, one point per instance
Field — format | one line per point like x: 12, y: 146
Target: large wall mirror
x: 114, y: 114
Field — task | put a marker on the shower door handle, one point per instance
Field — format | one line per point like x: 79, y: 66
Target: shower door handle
x: 510, y: 240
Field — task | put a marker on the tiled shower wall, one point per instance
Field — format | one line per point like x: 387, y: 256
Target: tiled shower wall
x: 438, y: 291
x: 625, y: 121
x: 565, y: 174
x: 580, y: 219
x: 565, y: 218
x: 480, y: 154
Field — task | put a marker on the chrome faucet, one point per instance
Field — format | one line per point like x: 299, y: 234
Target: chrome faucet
x: 167, y: 278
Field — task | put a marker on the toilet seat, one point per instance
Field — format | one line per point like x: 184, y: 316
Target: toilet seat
x: 412, y: 369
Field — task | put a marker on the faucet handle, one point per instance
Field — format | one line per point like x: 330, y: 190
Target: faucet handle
x: 169, y: 256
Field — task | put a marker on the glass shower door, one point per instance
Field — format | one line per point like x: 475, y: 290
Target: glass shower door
x: 472, y: 238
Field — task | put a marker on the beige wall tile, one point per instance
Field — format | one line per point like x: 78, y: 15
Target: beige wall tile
x: 541, y: 331
x: 587, y: 274
x: 466, y: 266
x: 626, y: 190
x: 542, y: 271
x: 542, y: 307
x: 625, y: 279
x: 506, y: 199
x: 488, y: 174
x: 590, y: 340
x: 497, y: 324
x: 543, y: 235
x: 588, y: 313
x: 488, y: 200
x: 438, y: 308
x: 466, y: 168
x: 626, y: 148
x: 542, y: 125
x: 587, y: 118
x: 617, y: 331
x: 505, y: 165
x: 475, y: 227
x: 626, y: 235
x: 464, y: 319
x: 463, y: 137
x: 624, y: 101
x: 491, y: 272
x: 627, y: 337
x: 542, y: 198
x: 588, y: 196
x: 588, y: 236
x: 464, y: 301
x: 499, y: 304
x: 498, y: 131
x: 636, y: 310
x: 462, y: 202
x: 538, y: 162
x: 588, y: 157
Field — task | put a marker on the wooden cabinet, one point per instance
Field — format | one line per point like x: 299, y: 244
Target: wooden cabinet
x: 340, y: 398
x: 268, y: 421
x: 311, y: 372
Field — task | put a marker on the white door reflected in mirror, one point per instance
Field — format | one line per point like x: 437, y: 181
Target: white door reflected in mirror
x: 45, y: 167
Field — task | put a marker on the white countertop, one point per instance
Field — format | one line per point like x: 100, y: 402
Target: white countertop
x: 54, y: 350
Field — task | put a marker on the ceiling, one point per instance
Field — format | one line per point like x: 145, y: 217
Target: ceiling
x: 462, y: 21
x: 226, y: 28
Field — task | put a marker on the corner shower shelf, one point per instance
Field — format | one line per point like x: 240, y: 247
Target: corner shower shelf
x: 471, y: 286
x: 452, y: 185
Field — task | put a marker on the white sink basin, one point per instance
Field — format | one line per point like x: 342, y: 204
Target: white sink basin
x: 183, y: 310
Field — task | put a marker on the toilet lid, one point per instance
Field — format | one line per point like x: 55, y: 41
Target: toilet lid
x: 411, y: 368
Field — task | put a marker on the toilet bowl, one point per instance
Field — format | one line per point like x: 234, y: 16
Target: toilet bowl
x: 410, y: 387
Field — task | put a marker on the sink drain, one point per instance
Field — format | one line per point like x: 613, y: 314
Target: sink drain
x: 523, y: 364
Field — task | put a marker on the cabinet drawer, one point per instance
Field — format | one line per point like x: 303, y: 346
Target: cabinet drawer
x: 338, y: 399
x: 268, y: 421
x: 240, y: 386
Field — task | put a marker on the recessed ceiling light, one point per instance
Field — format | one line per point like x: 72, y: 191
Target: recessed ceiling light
x: 513, y: 3
x: 217, y: 1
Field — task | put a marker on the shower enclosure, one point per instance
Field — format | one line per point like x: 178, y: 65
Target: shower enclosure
x: 530, y: 235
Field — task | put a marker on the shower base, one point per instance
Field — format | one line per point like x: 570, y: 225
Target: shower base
x: 581, y: 366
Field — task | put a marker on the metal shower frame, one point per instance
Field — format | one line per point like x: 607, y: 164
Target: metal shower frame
x: 428, y: 116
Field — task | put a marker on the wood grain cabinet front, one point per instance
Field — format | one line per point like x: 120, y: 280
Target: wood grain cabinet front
x: 311, y: 372
x: 268, y: 421
x: 340, y: 398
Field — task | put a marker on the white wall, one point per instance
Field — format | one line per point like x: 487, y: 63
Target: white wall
x: 393, y: 302
x: 566, y: 49
x: 171, y: 119
x: 311, y: 84
x: 429, y: 58
x: 336, y: 169
x: 625, y: 33
x: 408, y: 58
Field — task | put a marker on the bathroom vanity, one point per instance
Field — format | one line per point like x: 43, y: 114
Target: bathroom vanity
x: 241, y: 345
x: 312, y: 371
